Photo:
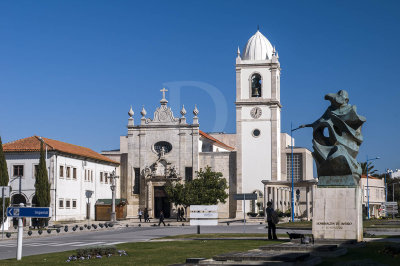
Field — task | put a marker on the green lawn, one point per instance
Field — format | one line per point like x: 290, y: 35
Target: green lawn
x: 373, y: 251
x: 150, y: 253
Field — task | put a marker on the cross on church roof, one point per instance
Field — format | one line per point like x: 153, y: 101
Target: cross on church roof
x: 163, y: 100
x: 163, y: 92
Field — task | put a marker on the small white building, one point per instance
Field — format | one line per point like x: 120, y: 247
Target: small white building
x: 376, y: 187
x: 72, y: 171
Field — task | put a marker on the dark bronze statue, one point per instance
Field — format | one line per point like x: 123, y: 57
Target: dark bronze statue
x: 336, y: 141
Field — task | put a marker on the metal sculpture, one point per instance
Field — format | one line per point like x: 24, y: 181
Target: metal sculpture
x: 336, y: 141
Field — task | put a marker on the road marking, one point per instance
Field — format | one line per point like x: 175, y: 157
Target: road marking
x: 113, y: 243
x: 67, y: 244
x: 87, y: 244
x: 39, y: 244
x: 8, y: 245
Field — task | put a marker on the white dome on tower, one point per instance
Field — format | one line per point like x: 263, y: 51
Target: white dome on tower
x: 258, y: 48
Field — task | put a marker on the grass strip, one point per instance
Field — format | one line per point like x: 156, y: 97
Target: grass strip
x: 149, y: 253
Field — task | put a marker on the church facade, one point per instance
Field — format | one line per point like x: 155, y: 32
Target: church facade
x: 160, y: 148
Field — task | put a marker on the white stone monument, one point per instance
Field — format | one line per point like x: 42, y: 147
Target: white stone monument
x: 337, y: 213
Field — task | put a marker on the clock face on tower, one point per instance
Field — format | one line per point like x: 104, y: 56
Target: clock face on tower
x: 256, y: 112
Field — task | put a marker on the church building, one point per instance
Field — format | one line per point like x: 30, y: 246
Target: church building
x: 161, y: 147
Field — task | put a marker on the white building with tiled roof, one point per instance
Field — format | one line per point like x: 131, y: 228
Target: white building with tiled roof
x: 72, y: 171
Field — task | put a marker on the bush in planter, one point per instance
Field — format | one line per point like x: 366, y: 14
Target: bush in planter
x: 261, y: 213
x: 252, y: 214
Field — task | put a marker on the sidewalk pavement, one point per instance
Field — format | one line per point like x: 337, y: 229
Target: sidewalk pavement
x: 119, y: 224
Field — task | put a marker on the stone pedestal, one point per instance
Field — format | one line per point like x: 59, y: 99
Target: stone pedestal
x: 337, y: 213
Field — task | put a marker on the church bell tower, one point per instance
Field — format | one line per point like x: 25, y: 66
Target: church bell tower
x: 258, y: 114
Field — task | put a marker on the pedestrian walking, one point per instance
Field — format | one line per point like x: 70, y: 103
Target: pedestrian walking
x: 161, y: 218
x: 178, y: 215
x: 140, y: 213
x: 183, y: 214
x: 146, y: 216
x: 272, y: 219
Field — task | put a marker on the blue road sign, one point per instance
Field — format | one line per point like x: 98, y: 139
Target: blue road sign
x: 39, y: 212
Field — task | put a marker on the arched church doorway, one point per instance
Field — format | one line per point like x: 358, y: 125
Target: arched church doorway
x: 161, y: 202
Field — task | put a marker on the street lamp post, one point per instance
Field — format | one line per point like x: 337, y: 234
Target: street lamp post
x: 291, y: 145
x: 376, y: 158
x: 387, y: 173
x: 113, y: 189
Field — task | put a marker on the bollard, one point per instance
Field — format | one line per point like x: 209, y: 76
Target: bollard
x: 8, y: 234
x: 19, y: 241
x: 74, y: 229
x: 66, y: 229
x: 140, y: 225
x: 29, y: 233
x: 48, y: 231
x: 58, y: 230
x: 89, y: 227
x: 81, y: 228
x: 40, y: 231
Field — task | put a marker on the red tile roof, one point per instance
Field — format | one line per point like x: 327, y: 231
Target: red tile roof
x: 32, y: 144
x: 205, y: 135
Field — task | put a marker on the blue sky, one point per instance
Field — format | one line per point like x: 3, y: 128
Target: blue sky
x: 70, y: 70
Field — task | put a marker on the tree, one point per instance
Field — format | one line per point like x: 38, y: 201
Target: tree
x: 4, y: 179
x: 371, y: 170
x: 42, y: 186
x: 207, y: 189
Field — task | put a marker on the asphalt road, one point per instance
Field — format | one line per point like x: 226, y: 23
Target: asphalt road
x: 75, y: 240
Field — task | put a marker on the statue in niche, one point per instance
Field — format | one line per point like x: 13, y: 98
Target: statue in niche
x: 162, y: 152
x: 172, y: 172
x: 336, y: 141
x: 147, y: 172
x: 256, y: 85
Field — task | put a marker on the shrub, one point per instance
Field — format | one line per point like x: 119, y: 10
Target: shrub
x: 96, y: 250
x: 261, y: 213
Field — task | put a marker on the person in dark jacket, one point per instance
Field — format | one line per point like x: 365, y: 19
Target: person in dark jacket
x: 183, y: 214
x: 271, y: 226
x: 178, y: 215
x: 146, y: 215
x: 161, y: 218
